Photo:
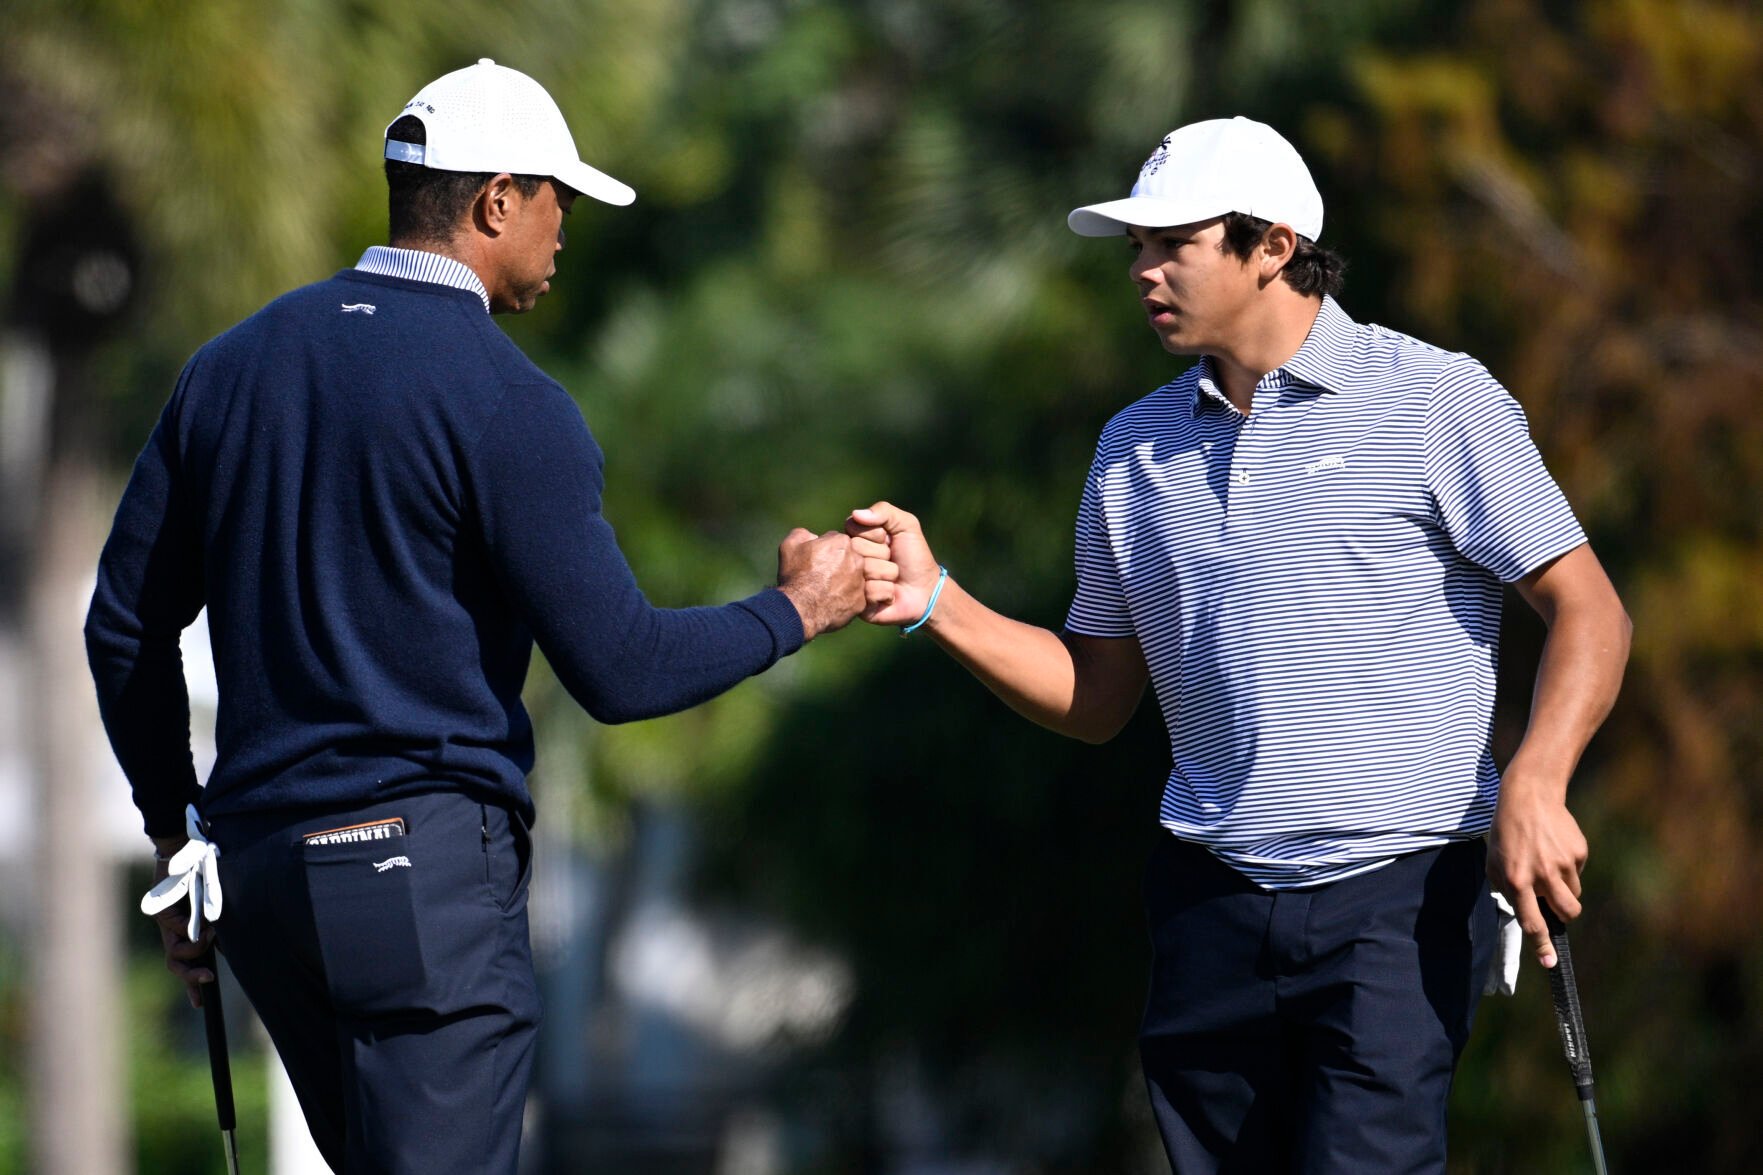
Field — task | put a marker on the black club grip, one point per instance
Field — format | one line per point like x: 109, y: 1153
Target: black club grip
x: 1568, y: 1016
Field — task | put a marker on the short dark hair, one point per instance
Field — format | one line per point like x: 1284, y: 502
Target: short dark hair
x: 426, y: 203
x: 1312, y: 269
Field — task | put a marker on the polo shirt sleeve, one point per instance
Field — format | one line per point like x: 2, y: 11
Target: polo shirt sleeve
x: 1099, y: 607
x: 536, y: 482
x: 1493, y: 496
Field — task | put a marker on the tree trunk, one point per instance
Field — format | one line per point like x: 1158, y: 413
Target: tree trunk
x: 79, y: 1068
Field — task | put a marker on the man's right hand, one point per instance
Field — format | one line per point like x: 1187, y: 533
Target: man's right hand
x: 884, y: 531
x: 824, y: 579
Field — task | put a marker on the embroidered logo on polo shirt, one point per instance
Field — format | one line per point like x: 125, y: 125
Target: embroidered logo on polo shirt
x: 391, y: 863
x: 1326, y: 464
x: 359, y: 308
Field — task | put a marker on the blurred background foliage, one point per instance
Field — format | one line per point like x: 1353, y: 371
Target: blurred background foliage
x: 847, y: 276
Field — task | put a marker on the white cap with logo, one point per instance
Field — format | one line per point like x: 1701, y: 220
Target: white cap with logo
x: 489, y: 118
x: 1206, y: 169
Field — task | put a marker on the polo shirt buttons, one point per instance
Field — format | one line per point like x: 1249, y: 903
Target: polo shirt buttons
x: 1240, y: 477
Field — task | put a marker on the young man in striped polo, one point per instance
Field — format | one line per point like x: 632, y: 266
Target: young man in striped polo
x: 1301, y: 542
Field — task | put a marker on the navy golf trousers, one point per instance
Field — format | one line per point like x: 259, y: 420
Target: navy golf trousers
x: 1315, y: 1030
x: 394, y: 976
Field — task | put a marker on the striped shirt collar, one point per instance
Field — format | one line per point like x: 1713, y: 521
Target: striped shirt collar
x: 1324, y: 362
x: 422, y: 266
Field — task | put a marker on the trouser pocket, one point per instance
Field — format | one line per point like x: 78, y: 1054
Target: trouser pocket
x: 364, y: 911
x: 508, y: 857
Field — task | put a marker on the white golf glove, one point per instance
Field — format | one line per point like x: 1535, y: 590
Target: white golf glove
x: 1503, y: 975
x: 193, y: 870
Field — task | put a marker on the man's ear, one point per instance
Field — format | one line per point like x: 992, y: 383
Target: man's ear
x: 496, y: 204
x: 1279, y: 244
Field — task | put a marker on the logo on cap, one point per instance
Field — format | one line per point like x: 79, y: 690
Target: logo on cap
x: 1158, y: 158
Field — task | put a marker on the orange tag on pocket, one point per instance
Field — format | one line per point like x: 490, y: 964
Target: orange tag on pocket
x: 352, y: 834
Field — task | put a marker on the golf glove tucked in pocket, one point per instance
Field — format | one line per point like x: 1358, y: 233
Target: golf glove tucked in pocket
x: 1503, y: 974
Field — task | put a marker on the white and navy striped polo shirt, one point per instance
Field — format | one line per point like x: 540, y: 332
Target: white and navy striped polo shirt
x: 1316, y: 587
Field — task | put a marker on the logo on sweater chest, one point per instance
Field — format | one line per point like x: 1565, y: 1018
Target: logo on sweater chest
x: 359, y: 308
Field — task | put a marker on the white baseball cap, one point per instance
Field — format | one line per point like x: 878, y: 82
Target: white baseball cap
x: 1207, y: 169
x: 489, y: 118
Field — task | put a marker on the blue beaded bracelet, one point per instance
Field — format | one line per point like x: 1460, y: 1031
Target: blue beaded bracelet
x: 930, y: 607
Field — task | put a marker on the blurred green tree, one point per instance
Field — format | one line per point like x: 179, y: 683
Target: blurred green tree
x: 1563, y: 190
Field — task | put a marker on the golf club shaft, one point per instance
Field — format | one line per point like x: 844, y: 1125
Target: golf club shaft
x: 219, y: 1065
x: 1590, y: 1106
x: 1570, y: 1019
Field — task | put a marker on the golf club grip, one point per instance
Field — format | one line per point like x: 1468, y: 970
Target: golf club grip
x: 219, y: 1066
x: 1568, y: 1016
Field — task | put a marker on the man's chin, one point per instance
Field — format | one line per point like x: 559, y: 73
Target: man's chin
x: 520, y: 305
x: 1178, y: 342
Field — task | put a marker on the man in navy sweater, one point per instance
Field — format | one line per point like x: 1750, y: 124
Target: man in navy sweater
x: 383, y: 505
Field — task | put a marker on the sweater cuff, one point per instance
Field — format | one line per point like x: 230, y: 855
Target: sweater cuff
x: 163, y: 826
x: 165, y: 818
x: 780, y: 618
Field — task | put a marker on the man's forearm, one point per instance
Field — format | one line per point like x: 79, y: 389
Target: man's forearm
x: 1033, y: 670
x: 1578, y: 678
x: 1536, y: 850
x: 144, y: 705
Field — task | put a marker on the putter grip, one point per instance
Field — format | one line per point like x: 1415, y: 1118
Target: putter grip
x: 1568, y: 1016
x: 219, y: 1067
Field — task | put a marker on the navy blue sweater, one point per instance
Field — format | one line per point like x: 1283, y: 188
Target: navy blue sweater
x: 382, y: 511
